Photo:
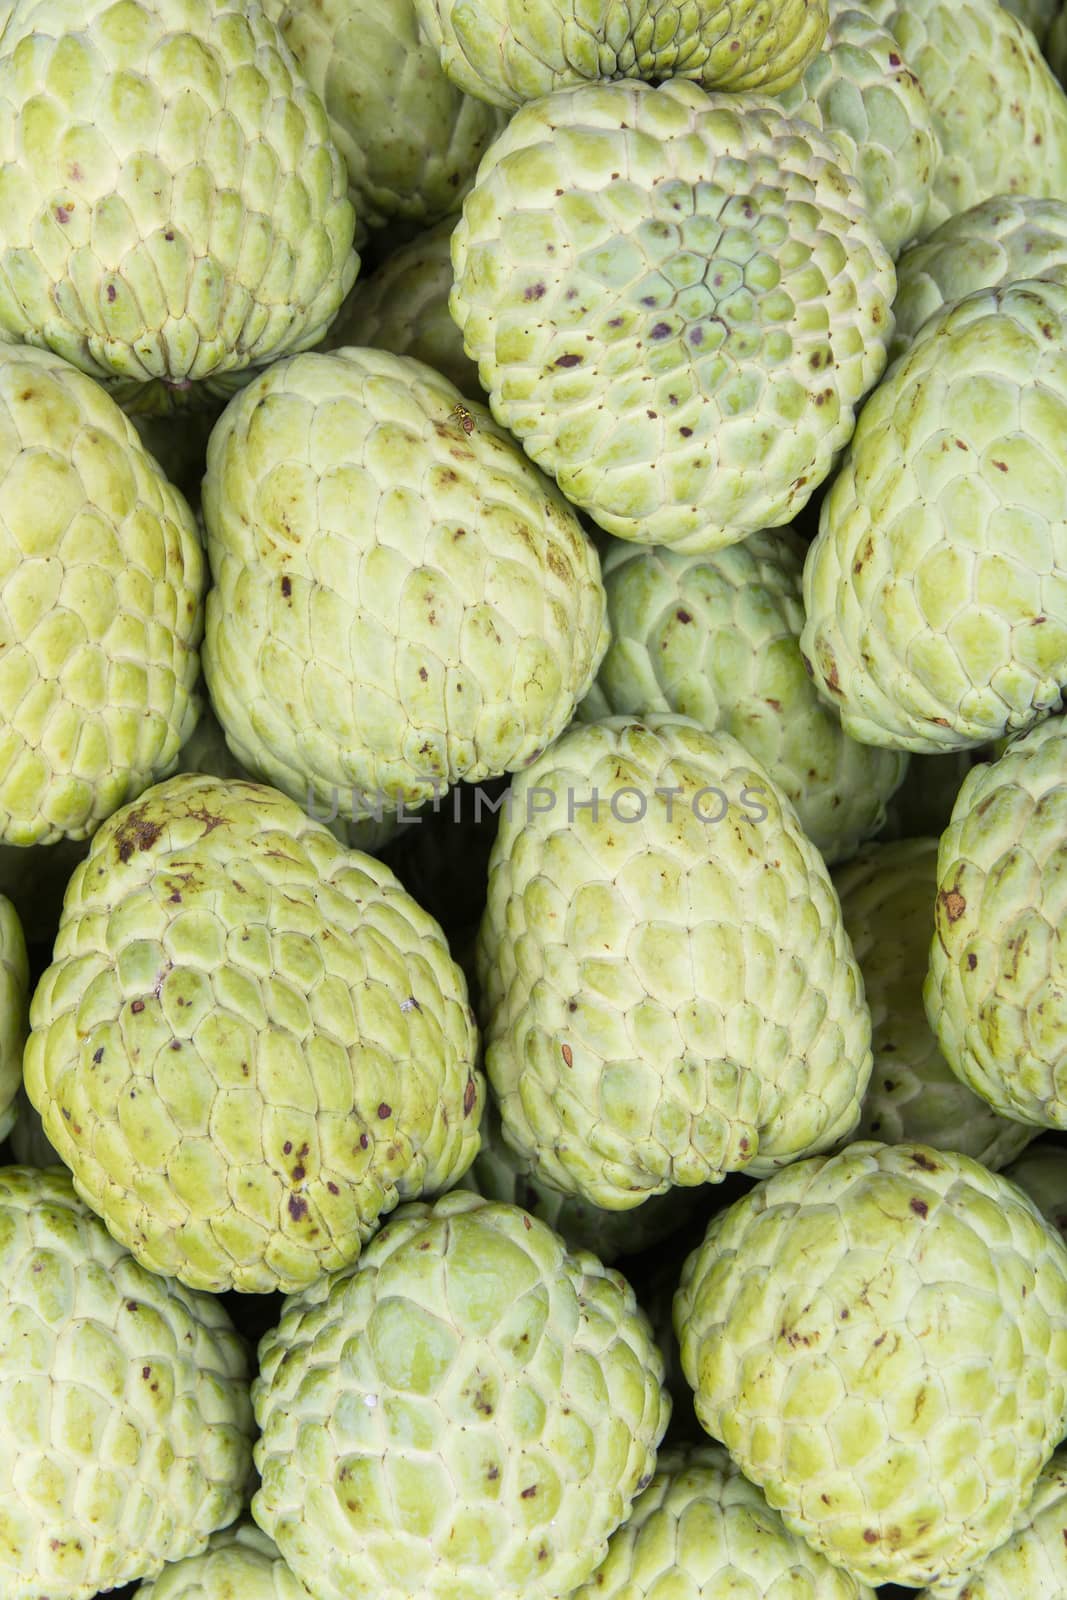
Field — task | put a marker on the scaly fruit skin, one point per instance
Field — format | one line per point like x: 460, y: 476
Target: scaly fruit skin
x: 240, y: 1563
x: 702, y: 1531
x: 999, y: 113
x: 1042, y: 1172
x: 130, y: 1439
x: 666, y: 985
x: 411, y: 140
x: 401, y: 599
x: 403, y: 307
x: 996, y: 989
x: 993, y: 243
x: 173, y: 205
x: 861, y: 91
x: 887, y: 900
x: 676, y: 301
x: 879, y: 1338
x: 511, y: 51
x: 499, y: 1174
x: 471, y: 1411
x: 1033, y: 1562
x: 251, y: 1042
x: 101, y: 583
x: 14, y: 1009
x: 936, y: 589
x: 716, y: 638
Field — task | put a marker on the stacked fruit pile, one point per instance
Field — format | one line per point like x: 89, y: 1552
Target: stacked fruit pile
x: 533, y: 799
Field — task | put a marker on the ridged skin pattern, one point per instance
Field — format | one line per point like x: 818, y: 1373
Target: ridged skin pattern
x: 676, y: 301
x: 1033, y: 1562
x: 240, y: 1563
x: 173, y: 206
x: 401, y: 599
x: 410, y: 139
x: 470, y: 1412
x: 996, y: 990
x: 129, y: 1429
x: 499, y: 1173
x: 716, y: 638
x: 993, y: 243
x: 887, y: 900
x: 702, y: 1531
x: 403, y: 307
x: 936, y: 590
x: 14, y: 1012
x: 1042, y: 1171
x: 510, y: 51
x: 999, y: 113
x: 879, y: 1338
x: 101, y: 584
x: 251, y: 1042
x: 862, y: 92
x: 668, y: 991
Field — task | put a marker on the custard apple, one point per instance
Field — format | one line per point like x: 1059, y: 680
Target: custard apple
x: 862, y: 92
x: 470, y: 1411
x: 101, y: 584
x: 510, y: 51
x: 667, y: 990
x: 251, y: 1042
x: 174, y: 208
x: 702, y: 1531
x: 403, y: 307
x: 999, y: 113
x: 128, y: 1426
x: 996, y: 988
x: 936, y: 589
x: 1033, y: 1562
x: 401, y: 599
x: 676, y: 302
x: 240, y: 1563
x: 887, y: 900
x: 1041, y: 1171
x: 716, y: 638
x: 991, y: 244
x: 879, y: 1338
x: 499, y: 1174
x: 410, y: 139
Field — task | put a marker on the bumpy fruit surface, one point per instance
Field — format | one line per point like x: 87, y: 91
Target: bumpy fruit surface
x: 130, y: 1424
x: 251, y: 1042
x: 879, y: 1338
x: 499, y: 1173
x: 173, y: 206
x: 401, y: 599
x: 1041, y: 1171
x: 862, y: 92
x: 887, y: 900
x: 509, y: 51
x: 14, y: 1004
x: 996, y: 990
x: 676, y: 301
x: 667, y: 988
x: 411, y: 140
x: 936, y: 590
x: 702, y: 1531
x: 403, y: 307
x: 999, y: 113
x: 470, y: 1411
x: 993, y: 243
x: 240, y: 1563
x: 716, y: 638
x: 1033, y: 1562
x: 101, y: 581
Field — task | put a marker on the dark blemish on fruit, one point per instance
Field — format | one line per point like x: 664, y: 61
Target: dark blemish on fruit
x: 137, y: 1007
x: 972, y: 961
x: 111, y: 293
x: 660, y: 331
x: 684, y: 616
x: 568, y: 1055
x: 299, y: 1174
x: 470, y: 1094
x: 297, y: 1207
x: 954, y: 903
x: 63, y: 213
x: 568, y: 361
x: 332, y: 1187
x: 136, y: 833
x: 919, y: 1207
x: 98, y: 1056
x: 923, y: 1161
x: 686, y: 433
x: 287, y: 1147
x: 894, y: 59
x: 287, y: 586
x: 363, y: 1141
x: 384, y: 1111
x: 534, y: 291
x: 1001, y: 466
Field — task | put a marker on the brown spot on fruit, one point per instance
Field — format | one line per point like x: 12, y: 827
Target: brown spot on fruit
x: 287, y: 586
x: 470, y: 1094
x: 384, y: 1111
x: 298, y: 1207
x: 869, y: 1536
x: 683, y: 616
x: 137, y: 1007
x: 534, y: 291
x: 528, y: 1494
x: 919, y: 1159
x: 954, y: 903
x: 98, y: 1056
x: 920, y: 1208
x: 568, y: 1055
x: 138, y: 832
x: 568, y: 361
